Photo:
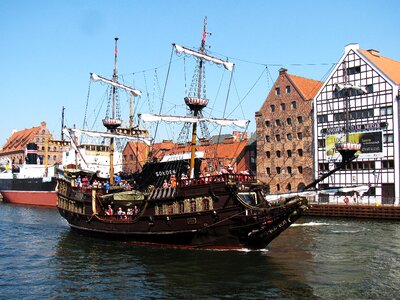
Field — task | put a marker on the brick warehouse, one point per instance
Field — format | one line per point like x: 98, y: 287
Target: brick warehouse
x: 284, y: 128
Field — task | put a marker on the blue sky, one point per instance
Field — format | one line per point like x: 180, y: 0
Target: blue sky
x: 48, y: 49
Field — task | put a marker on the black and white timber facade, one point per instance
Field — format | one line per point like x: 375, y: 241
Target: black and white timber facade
x: 358, y: 105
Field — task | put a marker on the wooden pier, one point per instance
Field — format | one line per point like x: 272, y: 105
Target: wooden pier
x: 383, y: 212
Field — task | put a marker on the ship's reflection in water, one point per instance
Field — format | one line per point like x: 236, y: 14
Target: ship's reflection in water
x: 96, y: 267
x: 314, y: 259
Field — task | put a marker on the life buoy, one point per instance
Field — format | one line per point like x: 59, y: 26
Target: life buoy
x: 346, y: 200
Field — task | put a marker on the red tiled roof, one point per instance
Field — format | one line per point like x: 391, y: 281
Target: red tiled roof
x: 307, y: 87
x: 388, y: 66
x: 19, y: 140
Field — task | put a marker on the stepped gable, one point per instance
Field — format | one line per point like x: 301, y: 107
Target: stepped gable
x: 387, y: 65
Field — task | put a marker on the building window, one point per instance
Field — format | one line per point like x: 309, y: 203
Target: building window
x: 387, y: 164
x: 278, y: 170
x: 131, y: 156
x: 37, y: 140
x: 300, y: 135
x: 360, y: 114
x: 300, y: 119
x: 272, y: 107
x: 277, y: 91
x: 388, y: 138
x: 268, y: 138
x: 283, y: 106
x: 278, y: 153
x: 300, y: 169
x: 289, y: 136
x: 289, y: 121
x: 294, y: 105
x: 54, y: 157
x: 322, y: 118
x: 321, y: 143
x: 300, y: 152
x: 267, y: 123
x: 289, y: 170
x: 388, y: 110
x: 289, y: 153
x: 289, y: 187
x: 369, y: 88
x: 287, y: 89
x: 339, y: 116
x: 278, y: 122
x: 268, y: 154
x: 323, y: 167
x: 277, y: 137
x: 278, y: 187
x: 268, y: 170
x: 43, y: 131
x: 353, y: 70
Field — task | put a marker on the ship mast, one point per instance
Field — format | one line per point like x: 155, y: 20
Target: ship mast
x: 113, y: 123
x: 196, y: 104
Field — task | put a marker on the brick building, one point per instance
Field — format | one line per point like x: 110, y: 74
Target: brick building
x: 15, y: 147
x: 284, y: 127
x: 236, y: 150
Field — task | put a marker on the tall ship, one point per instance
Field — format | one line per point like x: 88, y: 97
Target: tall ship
x: 181, y: 207
x: 29, y: 183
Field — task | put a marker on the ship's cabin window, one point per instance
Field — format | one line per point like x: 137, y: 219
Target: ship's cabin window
x: 206, y: 204
x: 181, y: 207
x: 170, y: 208
x: 192, y: 206
x: 249, y: 198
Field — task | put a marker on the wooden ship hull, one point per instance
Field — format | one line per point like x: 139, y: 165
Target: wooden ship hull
x: 223, y: 213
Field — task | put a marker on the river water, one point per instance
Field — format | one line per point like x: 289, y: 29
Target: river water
x: 41, y: 258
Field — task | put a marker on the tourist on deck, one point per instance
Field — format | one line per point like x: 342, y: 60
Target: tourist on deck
x: 129, y: 212
x: 173, y: 181
x: 121, y: 213
x: 109, y: 211
x: 165, y: 184
x: 107, y: 186
x: 78, y: 181
x: 135, y: 210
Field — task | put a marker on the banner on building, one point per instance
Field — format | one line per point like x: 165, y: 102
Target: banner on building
x: 369, y: 143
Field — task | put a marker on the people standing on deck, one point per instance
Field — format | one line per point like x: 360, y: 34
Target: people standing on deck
x: 109, y: 211
x: 78, y: 181
x: 107, y: 186
x: 165, y: 184
x: 173, y: 181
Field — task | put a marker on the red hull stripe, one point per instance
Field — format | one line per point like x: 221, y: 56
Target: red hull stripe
x: 30, y: 197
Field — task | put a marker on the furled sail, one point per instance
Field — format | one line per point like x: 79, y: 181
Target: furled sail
x: 227, y: 65
x: 79, y: 132
x: 189, y: 119
x: 96, y: 77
